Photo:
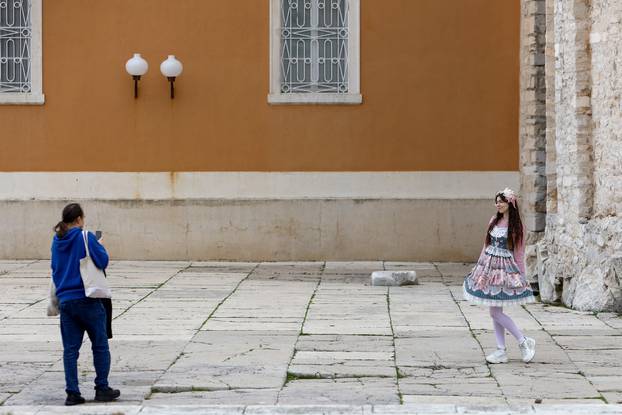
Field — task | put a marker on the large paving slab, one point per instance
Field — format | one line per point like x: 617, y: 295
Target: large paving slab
x: 346, y: 308
x: 217, y: 397
x: 219, y: 337
x: 48, y: 389
x: 439, y: 349
x: 343, y: 356
x: 220, y: 360
x: 340, y: 391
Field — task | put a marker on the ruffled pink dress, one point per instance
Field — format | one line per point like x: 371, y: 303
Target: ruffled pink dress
x: 498, y: 278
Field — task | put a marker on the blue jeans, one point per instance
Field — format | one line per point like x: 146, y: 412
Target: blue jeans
x: 76, y: 317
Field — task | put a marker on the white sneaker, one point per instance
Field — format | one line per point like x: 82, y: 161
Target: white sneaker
x: 528, y: 349
x: 498, y: 356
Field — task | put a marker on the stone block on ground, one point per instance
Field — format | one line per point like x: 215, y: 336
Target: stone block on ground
x: 394, y: 278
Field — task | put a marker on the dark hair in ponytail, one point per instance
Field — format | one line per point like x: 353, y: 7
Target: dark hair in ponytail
x: 71, y: 212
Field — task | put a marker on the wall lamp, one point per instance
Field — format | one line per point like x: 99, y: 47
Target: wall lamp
x: 136, y: 67
x: 171, y: 68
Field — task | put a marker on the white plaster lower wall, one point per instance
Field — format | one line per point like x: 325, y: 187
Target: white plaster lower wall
x: 268, y: 230
x: 257, y: 216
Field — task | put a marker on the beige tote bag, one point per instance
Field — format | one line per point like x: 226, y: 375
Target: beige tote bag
x: 93, y: 278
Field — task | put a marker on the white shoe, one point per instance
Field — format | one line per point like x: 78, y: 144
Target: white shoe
x: 498, y: 356
x: 527, y: 349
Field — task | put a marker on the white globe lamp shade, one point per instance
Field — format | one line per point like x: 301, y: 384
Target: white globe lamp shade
x: 136, y: 66
x: 171, y: 67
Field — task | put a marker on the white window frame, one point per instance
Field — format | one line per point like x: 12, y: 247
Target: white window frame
x: 353, y: 96
x: 35, y: 96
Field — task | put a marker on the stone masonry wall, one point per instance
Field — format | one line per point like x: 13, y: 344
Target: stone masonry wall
x: 580, y: 258
x: 533, y: 127
x: 606, y: 41
x: 551, y: 153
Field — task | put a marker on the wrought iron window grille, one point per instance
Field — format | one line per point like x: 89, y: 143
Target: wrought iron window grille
x: 15, y: 46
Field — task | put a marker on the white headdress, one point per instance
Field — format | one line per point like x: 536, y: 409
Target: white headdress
x: 509, y: 195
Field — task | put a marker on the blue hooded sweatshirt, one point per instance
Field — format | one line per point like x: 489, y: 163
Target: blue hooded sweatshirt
x: 66, y: 255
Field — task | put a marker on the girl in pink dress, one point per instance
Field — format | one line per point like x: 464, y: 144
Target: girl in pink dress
x: 498, y: 278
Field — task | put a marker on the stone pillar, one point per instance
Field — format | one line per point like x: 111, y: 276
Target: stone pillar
x: 551, y: 288
x: 580, y: 258
x: 533, y: 127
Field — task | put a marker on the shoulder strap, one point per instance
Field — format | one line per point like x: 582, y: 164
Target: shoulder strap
x: 85, y: 236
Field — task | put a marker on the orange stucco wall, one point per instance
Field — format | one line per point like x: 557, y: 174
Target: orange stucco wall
x: 439, y: 81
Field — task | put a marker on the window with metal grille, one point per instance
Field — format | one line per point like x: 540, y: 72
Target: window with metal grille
x: 315, y: 50
x: 20, y: 52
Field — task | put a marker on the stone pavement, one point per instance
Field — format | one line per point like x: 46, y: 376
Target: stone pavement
x: 193, y: 335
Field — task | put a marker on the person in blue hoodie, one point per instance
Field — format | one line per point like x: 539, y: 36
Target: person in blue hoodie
x: 78, y: 313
